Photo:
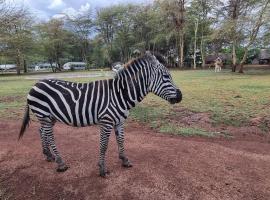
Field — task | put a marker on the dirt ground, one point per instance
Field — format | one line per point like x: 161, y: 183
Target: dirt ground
x: 164, y: 166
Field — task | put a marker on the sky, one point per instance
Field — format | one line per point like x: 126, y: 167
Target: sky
x: 46, y: 9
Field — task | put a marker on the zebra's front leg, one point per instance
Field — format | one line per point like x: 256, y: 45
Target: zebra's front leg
x: 105, y: 131
x: 119, y: 133
x: 61, y: 166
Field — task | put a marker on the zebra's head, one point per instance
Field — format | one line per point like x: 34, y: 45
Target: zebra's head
x: 161, y: 83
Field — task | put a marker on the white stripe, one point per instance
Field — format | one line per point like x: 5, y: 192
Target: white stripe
x: 84, y: 105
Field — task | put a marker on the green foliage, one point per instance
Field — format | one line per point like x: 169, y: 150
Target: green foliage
x: 56, y: 41
x: 114, y: 33
x: 98, y: 56
x: 125, y: 28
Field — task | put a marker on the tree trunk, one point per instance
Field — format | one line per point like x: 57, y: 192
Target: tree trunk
x: 154, y: 47
x: 202, y: 53
x: 58, y: 66
x: 181, y: 42
x: 18, y: 62
x: 53, y: 69
x: 85, y: 47
x: 241, y: 70
x: 195, y: 44
x: 177, y: 47
x: 234, y: 59
x: 18, y: 66
x: 24, y: 66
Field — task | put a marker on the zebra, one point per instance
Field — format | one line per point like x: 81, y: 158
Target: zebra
x: 103, y: 102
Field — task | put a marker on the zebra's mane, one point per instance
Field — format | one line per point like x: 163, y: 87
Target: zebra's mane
x: 147, y: 57
x: 130, y: 62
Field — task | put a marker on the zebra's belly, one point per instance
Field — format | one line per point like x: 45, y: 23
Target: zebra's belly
x: 76, y: 120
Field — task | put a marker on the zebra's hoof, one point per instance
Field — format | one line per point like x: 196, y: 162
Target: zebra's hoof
x: 62, y: 168
x: 127, y: 164
x: 104, y: 174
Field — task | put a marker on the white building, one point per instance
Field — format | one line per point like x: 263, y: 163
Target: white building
x: 74, y: 66
x: 44, y: 66
x: 6, y: 67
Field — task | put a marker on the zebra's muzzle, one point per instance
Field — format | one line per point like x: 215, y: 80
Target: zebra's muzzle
x: 176, y: 99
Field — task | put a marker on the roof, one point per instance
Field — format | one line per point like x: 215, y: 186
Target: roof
x: 75, y: 63
x: 8, y: 66
x: 212, y: 58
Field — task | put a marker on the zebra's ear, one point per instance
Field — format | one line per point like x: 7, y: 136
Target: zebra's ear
x: 160, y: 58
x: 149, y: 56
x: 148, y: 53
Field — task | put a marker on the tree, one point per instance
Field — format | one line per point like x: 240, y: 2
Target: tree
x: 15, y: 34
x: 195, y: 42
x: 201, y: 10
x: 105, y: 25
x: 175, y: 11
x: 235, y: 20
x: 56, y: 41
x: 82, y: 26
x: 258, y: 22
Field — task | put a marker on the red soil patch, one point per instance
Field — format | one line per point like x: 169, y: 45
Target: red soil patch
x: 165, y: 166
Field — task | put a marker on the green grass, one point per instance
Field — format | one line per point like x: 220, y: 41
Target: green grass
x: 148, y: 114
x: 230, y: 98
x: 219, y: 94
x: 186, y: 131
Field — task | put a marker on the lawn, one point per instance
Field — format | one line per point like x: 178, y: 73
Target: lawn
x: 226, y: 98
x: 230, y: 99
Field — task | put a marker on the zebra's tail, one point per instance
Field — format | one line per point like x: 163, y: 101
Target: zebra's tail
x: 25, y: 122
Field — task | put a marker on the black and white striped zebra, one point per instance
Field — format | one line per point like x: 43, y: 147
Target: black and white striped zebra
x: 104, y: 102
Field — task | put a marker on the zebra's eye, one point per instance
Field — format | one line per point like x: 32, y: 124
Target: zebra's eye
x: 166, y: 76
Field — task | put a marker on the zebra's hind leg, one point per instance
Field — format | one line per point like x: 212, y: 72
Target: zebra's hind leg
x: 47, y: 129
x: 105, y: 132
x: 45, y: 146
x: 119, y: 133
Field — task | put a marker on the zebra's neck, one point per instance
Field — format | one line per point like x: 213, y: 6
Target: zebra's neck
x: 131, y: 84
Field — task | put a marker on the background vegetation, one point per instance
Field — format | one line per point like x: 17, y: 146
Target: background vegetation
x: 184, y: 31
